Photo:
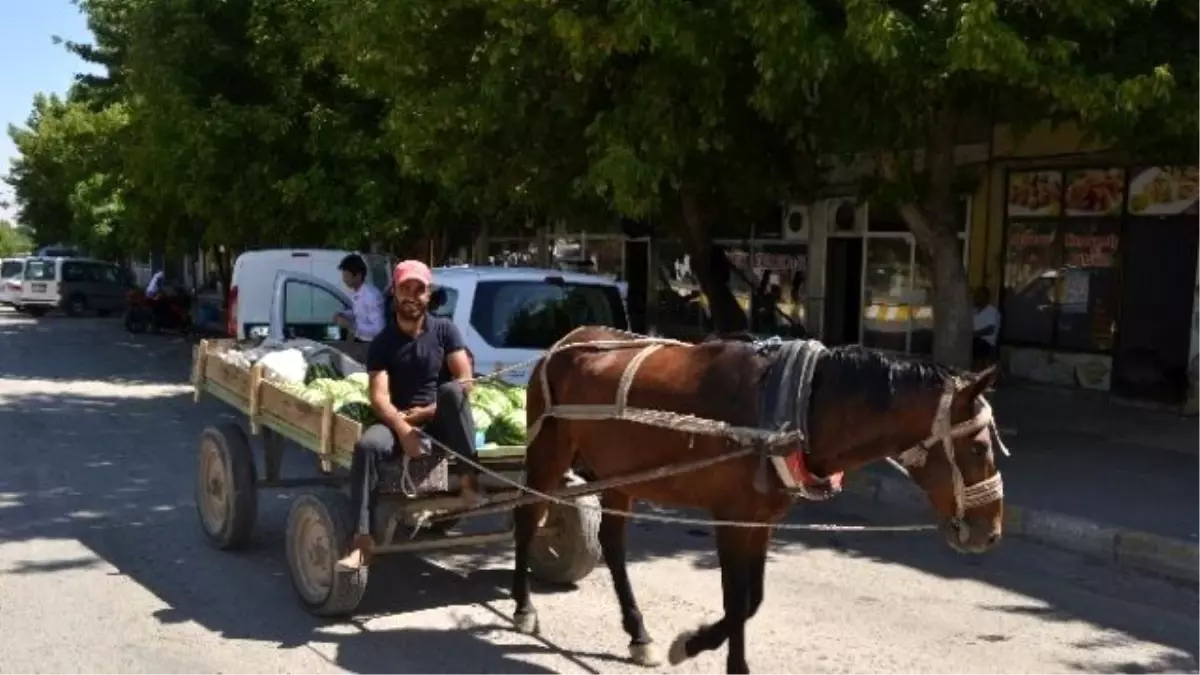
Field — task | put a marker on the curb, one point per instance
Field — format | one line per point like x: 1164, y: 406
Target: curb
x: 1163, y: 556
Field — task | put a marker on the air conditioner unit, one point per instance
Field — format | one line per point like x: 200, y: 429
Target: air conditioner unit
x: 797, y: 219
x: 843, y: 216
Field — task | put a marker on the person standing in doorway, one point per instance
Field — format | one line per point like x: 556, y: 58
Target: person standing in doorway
x: 365, y: 320
x: 987, y: 329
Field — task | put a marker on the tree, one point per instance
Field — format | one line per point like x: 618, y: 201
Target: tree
x: 617, y: 109
x: 898, y: 81
x: 241, y: 137
x: 67, y: 178
x: 14, y: 240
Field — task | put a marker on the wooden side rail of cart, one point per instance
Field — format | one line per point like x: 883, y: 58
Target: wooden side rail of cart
x: 316, y: 428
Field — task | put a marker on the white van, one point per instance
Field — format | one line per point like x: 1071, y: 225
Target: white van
x: 75, y: 285
x: 11, y: 271
x: 249, y: 301
x: 507, y: 315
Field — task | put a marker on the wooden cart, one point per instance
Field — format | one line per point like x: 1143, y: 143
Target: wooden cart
x: 319, y: 525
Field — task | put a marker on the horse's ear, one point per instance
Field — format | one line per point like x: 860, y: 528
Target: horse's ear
x: 979, y: 383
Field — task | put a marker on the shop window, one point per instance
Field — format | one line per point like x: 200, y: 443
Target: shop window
x: 680, y: 309
x: 920, y: 310
x: 1061, y: 262
x: 781, y: 274
x: 887, y: 293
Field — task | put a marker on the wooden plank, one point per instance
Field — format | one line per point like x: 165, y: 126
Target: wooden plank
x: 230, y: 398
x: 326, y: 436
x: 346, y: 433
x: 290, y: 408
x: 199, y: 355
x: 233, y: 379
x: 255, y: 389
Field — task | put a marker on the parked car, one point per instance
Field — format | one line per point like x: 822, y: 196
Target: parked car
x: 11, y: 270
x: 248, y: 307
x: 75, y: 285
x: 507, y: 315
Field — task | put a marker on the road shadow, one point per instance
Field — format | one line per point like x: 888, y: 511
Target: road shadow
x: 121, y: 483
x: 60, y: 348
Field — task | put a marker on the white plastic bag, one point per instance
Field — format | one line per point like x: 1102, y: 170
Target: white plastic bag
x: 287, y: 365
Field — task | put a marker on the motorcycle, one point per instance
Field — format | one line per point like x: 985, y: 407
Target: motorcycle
x: 169, y: 311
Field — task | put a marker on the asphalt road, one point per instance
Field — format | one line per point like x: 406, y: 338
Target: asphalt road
x: 103, y: 567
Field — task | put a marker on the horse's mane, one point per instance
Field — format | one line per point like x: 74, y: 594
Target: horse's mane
x: 855, y: 372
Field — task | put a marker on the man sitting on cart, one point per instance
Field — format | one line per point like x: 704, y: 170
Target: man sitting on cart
x: 404, y: 364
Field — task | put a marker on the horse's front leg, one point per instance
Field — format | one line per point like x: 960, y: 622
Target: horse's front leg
x: 525, y: 521
x: 612, y: 542
x: 742, y: 553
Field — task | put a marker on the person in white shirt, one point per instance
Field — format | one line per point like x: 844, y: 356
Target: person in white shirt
x: 987, y: 328
x: 155, y: 284
x: 365, y: 320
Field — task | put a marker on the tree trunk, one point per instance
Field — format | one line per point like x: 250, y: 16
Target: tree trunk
x: 727, y: 314
x: 933, y: 224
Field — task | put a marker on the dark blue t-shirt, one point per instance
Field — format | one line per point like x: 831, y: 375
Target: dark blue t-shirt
x: 414, y: 365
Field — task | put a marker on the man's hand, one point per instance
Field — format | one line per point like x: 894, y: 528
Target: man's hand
x: 341, y: 320
x: 411, y: 442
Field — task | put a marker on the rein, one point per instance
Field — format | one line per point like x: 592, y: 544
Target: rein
x: 965, y: 496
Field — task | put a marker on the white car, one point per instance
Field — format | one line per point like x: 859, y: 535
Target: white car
x: 11, y: 272
x: 507, y: 315
x: 254, y: 272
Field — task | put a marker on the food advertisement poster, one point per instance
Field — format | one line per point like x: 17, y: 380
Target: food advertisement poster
x: 1031, y: 280
x: 1095, y: 192
x: 1164, y: 191
x: 1033, y: 194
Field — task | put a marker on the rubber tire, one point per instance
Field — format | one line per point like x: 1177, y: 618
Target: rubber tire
x: 238, y: 457
x: 578, y: 547
x: 35, y: 312
x: 348, y: 588
x: 76, y: 305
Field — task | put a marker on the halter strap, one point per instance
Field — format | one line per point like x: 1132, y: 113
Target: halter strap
x: 965, y: 496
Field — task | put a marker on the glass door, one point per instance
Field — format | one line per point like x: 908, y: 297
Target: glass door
x: 887, y: 292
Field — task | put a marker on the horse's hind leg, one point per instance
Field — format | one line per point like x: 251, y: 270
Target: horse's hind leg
x: 742, y: 552
x: 612, y: 542
x: 546, y: 462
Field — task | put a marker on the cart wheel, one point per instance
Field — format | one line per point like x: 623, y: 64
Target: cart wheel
x: 226, y: 497
x: 318, y: 528
x: 570, y: 548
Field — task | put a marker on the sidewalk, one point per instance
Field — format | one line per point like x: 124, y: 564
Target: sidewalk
x: 1077, y: 454
x: 1093, y: 471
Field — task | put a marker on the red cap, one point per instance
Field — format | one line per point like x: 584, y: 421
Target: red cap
x: 412, y: 269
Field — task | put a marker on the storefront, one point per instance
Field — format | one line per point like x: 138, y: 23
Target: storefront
x: 878, y: 284
x: 767, y: 276
x: 1099, y: 270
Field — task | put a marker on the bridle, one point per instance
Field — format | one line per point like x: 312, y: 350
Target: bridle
x: 965, y: 496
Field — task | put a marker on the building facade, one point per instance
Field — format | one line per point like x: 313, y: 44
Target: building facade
x: 1090, y: 256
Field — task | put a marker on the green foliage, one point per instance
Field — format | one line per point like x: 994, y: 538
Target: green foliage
x: 322, y: 122
x: 14, y: 240
x: 68, y: 177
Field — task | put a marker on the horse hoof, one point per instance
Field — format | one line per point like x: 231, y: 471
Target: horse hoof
x: 678, y: 652
x: 648, y: 655
x: 526, y: 622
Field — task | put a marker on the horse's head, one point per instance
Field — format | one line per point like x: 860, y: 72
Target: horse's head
x: 956, y: 464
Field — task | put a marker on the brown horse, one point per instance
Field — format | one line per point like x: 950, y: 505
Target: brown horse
x: 863, y: 406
